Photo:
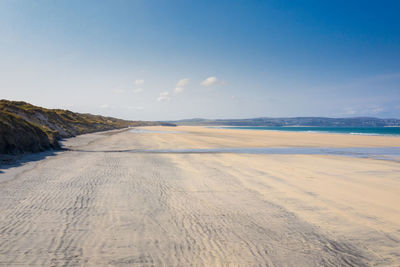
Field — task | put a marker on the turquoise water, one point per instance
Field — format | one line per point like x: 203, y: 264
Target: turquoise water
x: 343, y: 130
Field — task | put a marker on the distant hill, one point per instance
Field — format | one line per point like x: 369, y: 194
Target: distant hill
x: 297, y: 121
x: 28, y: 128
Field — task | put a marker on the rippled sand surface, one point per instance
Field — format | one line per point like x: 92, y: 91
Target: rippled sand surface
x: 92, y: 208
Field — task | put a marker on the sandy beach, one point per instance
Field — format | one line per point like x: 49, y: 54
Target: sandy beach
x: 97, y: 204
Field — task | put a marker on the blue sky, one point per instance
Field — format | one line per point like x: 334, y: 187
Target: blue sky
x: 159, y: 60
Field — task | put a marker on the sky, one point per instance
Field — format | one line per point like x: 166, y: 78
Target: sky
x: 169, y: 60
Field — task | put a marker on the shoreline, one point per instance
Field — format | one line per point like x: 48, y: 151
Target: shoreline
x: 314, y: 129
x: 269, y: 138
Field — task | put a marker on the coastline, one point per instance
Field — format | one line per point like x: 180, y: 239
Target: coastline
x: 205, y: 137
x: 373, y: 131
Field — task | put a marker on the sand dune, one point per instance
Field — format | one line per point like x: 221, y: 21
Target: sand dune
x: 130, y: 209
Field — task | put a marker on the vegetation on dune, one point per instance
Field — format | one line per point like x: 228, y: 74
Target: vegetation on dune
x: 28, y: 128
x: 18, y: 135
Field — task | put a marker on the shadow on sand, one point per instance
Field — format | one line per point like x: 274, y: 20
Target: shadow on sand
x: 11, y: 161
x: 381, y: 153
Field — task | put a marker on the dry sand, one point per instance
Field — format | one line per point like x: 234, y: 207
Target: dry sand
x: 96, y: 206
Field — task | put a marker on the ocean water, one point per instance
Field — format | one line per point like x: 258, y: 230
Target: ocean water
x: 393, y: 131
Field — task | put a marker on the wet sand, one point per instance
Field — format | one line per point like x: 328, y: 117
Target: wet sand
x: 90, y: 207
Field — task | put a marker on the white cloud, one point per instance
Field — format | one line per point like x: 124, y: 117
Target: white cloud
x: 105, y: 106
x: 182, y: 82
x: 137, y: 90
x: 209, y: 81
x: 164, y: 96
x: 137, y: 82
x: 180, y: 86
x: 178, y: 90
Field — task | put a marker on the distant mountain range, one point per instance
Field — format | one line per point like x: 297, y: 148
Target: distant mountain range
x: 28, y: 128
x: 296, y: 121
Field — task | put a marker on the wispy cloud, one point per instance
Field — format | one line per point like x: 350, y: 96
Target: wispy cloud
x: 350, y: 111
x: 179, y: 88
x: 105, y: 106
x: 209, y: 81
x: 376, y: 109
x: 137, y: 90
x: 180, y: 85
x: 182, y: 82
x: 364, y: 110
x: 164, y: 96
x: 138, y: 82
